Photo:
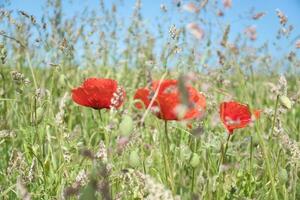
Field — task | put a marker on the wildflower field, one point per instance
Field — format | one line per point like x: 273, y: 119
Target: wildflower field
x: 93, y: 106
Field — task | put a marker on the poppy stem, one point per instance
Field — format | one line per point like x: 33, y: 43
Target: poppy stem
x: 251, y: 152
x: 106, y: 137
x: 100, y: 115
x: 167, y: 162
x: 223, y: 153
x: 166, y: 132
x: 34, y: 120
x: 35, y: 115
x: 226, y: 145
x: 193, y: 172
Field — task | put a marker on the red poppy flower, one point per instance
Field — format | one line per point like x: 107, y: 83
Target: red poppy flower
x: 235, y: 115
x: 99, y: 93
x: 168, y: 105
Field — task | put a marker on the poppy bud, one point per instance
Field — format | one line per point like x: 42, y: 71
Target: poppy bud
x: 195, y: 160
x: 283, y: 175
x: 126, y: 126
x: 134, y: 159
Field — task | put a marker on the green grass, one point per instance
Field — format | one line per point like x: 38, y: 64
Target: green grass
x: 51, y: 148
x: 258, y: 165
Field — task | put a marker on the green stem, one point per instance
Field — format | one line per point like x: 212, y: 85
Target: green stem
x: 31, y: 70
x: 193, y: 172
x: 106, y: 136
x: 264, y: 152
x: 166, y: 132
x: 295, y: 181
x: 223, y: 153
x: 274, y: 117
x: 100, y: 115
x: 167, y: 162
x: 34, y: 121
x: 266, y: 158
x: 251, y: 153
x: 35, y: 115
x: 193, y: 181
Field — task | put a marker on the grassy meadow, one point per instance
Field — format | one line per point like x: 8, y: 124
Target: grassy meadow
x: 52, y: 148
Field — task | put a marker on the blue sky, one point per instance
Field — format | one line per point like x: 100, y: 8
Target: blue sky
x: 267, y: 26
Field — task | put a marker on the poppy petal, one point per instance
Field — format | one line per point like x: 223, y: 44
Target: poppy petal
x: 257, y: 114
x: 143, y: 95
x: 234, y: 115
x: 168, y: 105
x: 98, y: 93
x: 79, y: 96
